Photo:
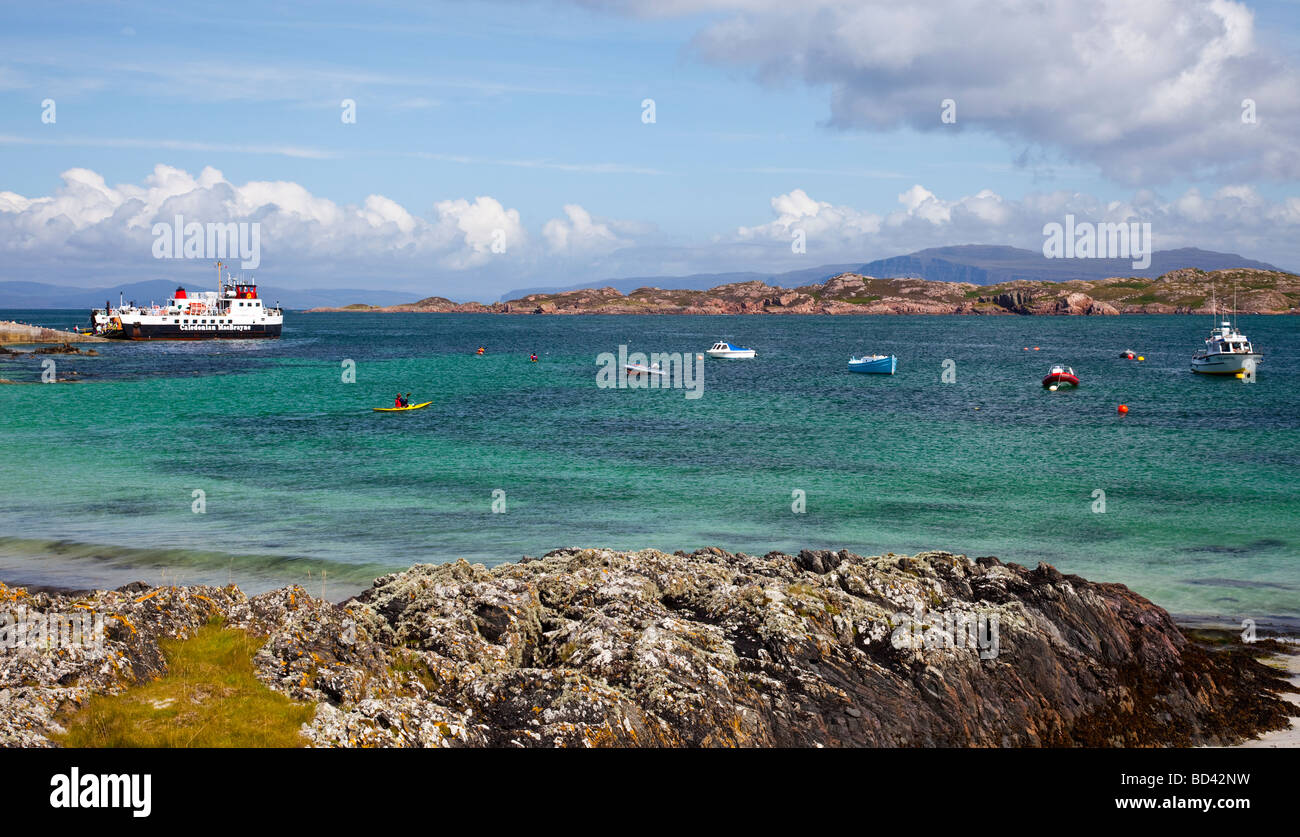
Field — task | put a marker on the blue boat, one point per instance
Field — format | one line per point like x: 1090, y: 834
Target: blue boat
x: 874, y: 364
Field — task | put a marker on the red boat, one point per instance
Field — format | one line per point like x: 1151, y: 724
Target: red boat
x: 1060, y: 376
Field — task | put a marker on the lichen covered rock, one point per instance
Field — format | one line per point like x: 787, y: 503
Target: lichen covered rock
x: 595, y: 647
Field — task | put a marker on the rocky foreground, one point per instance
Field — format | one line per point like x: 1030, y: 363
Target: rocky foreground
x: 592, y: 647
x: 1186, y: 291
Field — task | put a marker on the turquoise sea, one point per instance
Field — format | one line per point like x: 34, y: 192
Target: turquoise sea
x: 303, y: 483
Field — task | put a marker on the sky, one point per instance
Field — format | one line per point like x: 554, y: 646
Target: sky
x: 468, y: 149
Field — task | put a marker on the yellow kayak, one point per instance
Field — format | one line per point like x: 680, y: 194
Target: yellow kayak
x: 400, y: 409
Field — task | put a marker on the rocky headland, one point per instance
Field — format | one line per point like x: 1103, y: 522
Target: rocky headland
x: 1186, y: 291
x: 12, y: 332
x: 594, y: 647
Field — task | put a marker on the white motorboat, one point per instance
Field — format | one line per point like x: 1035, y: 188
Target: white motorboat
x: 722, y: 349
x: 1226, y: 352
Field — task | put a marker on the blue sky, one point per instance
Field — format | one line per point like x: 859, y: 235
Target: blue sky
x: 832, y: 113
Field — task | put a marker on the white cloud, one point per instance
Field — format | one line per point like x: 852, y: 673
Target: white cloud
x: 479, y: 226
x: 380, y: 210
x: 90, y: 226
x: 579, y: 234
x: 1236, y: 218
x: 920, y: 202
x: 1146, y: 91
x: 87, y: 219
x: 795, y: 210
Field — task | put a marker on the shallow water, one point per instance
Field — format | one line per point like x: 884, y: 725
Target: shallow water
x: 301, y: 478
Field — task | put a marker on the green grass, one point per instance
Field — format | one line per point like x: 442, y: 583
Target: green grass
x: 209, y: 698
x: 407, y: 663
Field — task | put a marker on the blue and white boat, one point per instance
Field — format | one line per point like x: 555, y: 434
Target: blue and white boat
x: 724, y: 349
x: 874, y: 364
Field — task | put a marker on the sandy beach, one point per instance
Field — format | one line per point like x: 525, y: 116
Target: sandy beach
x: 1289, y: 737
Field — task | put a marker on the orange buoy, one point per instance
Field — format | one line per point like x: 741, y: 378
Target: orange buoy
x: 1035, y: 348
x: 1122, y: 409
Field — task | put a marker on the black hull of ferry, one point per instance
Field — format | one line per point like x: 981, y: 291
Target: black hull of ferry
x: 257, y: 331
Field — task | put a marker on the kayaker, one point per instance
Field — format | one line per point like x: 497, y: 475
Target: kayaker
x: 397, y: 402
x: 406, y: 402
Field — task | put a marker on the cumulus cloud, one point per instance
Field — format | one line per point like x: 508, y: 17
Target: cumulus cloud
x: 466, y: 248
x: 796, y: 211
x: 1146, y: 91
x: 88, y: 219
x: 1234, y: 218
x: 478, y: 230
x: 379, y: 210
x: 578, y: 234
x: 477, y: 248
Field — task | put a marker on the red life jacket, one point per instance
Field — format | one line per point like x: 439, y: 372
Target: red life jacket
x: 398, y: 401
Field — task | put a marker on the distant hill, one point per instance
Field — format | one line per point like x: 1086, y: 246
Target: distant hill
x: 978, y: 264
x: 701, y: 281
x: 42, y: 295
x: 982, y: 264
x: 1183, y: 291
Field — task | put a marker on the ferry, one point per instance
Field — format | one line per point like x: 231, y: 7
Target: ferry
x: 104, y: 320
x: 233, y: 312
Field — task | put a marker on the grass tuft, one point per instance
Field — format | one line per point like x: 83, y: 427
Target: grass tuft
x: 209, y: 698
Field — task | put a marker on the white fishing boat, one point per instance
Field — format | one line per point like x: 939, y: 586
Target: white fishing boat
x: 1227, y: 351
x: 722, y: 349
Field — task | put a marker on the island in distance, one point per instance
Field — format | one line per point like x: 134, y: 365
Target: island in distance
x: 1181, y: 291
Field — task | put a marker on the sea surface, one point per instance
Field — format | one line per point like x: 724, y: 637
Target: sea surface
x: 303, y: 483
